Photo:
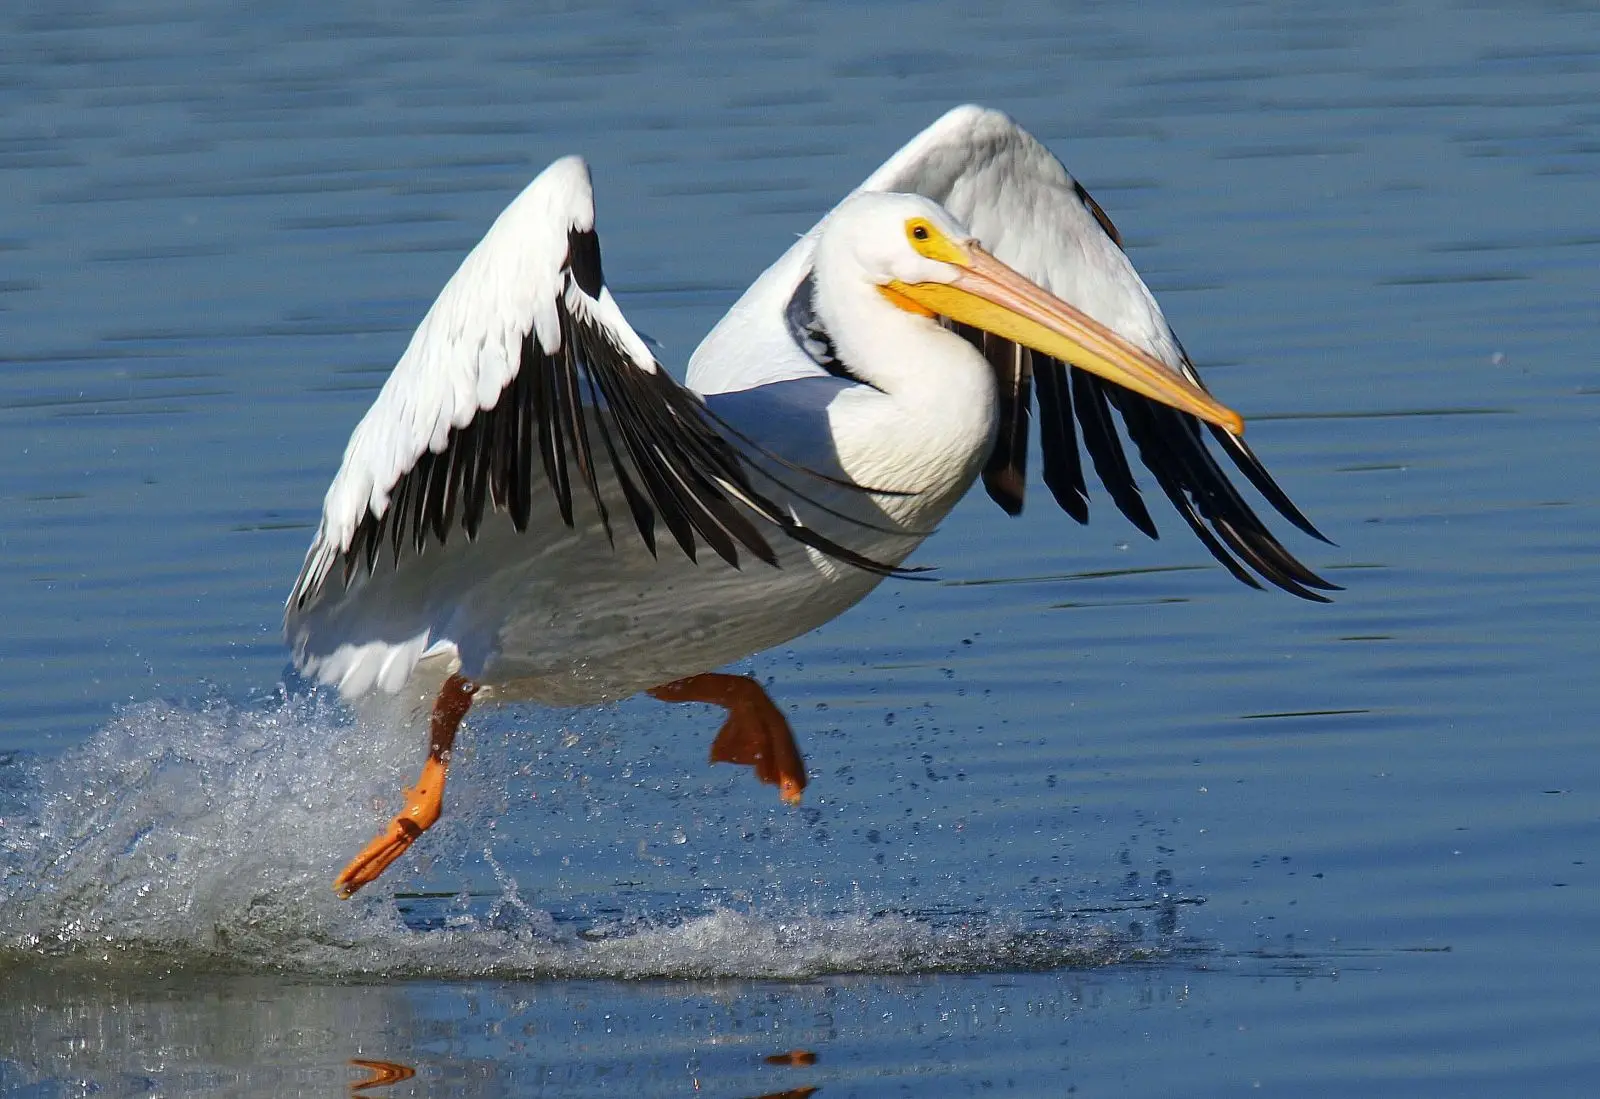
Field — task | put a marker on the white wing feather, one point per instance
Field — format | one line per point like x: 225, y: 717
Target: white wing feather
x: 1015, y: 197
x: 1006, y: 187
x: 467, y: 349
x: 454, y: 425
x: 1024, y: 208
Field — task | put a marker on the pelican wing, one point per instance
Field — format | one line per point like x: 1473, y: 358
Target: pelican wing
x: 1024, y: 208
x: 525, y: 360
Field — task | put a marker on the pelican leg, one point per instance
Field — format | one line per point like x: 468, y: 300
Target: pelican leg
x: 423, y: 801
x: 756, y: 733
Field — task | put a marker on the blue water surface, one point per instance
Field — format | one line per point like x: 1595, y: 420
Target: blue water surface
x: 1086, y: 816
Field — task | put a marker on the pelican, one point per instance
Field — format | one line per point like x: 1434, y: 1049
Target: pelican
x: 533, y: 509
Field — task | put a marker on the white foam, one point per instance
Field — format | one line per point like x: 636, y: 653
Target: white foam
x: 210, y: 836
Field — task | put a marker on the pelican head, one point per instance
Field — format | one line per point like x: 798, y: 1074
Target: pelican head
x: 927, y: 264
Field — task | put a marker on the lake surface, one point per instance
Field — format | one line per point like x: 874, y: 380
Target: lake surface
x: 1085, y: 816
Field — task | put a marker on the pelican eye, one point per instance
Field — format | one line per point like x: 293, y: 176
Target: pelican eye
x: 929, y: 240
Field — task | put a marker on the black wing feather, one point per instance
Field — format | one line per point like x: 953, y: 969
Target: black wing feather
x: 1058, y: 438
x: 1252, y: 467
x: 672, y: 458
x: 1171, y: 440
x: 1005, y: 474
x: 1170, y: 446
x: 638, y: 505
x: 1105, y: 449
x: 477, y: 442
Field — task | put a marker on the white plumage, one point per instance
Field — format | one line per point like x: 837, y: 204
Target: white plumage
x: 533, y: 504
x: 1013, y: 195
x: 466, y: 349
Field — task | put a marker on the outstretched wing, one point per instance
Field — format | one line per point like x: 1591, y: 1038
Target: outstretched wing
x: 525, y: 360
x: 1023, y: 206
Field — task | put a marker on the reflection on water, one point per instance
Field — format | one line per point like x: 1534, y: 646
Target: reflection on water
x: 113, y: 1031
x: 188, y: 1032
x: 382, y: 1074
x: 792, y: 1057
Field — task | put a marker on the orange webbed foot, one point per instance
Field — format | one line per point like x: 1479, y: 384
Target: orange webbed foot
x: 756, y: 733
x: 753, y: 740
x: 424, y: 801
x: 420, y: 814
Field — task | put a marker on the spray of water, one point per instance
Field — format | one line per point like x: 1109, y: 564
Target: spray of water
x: 208, y: 838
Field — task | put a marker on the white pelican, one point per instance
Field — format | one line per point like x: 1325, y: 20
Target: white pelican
x: 492, y: 529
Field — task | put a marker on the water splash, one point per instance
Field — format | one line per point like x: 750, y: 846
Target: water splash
x: 159, y: 833
x: 208, y: 838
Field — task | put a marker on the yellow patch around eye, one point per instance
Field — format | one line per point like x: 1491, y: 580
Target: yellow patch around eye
x: 929, y: 241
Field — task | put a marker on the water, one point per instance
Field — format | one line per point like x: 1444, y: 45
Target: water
x: 1084, y: 815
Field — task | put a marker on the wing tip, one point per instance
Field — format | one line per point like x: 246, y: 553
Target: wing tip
x: 570, y: 169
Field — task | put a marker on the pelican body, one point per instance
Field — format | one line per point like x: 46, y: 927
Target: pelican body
x: 533, y: 509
